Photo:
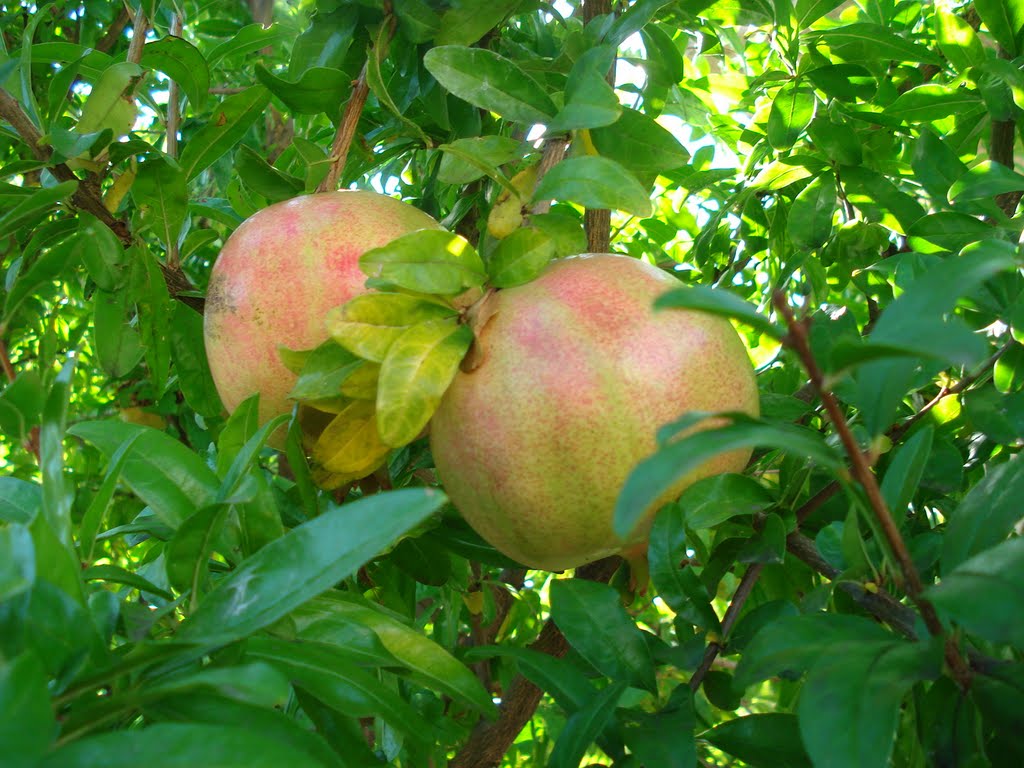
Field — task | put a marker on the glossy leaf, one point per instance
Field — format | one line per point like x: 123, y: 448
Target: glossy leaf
x: 810, y: 217
x: 318, y: 90
x: 677, y: 584
x: 585, y: 726
x: 792, y: 111
x: 466, y: 160
x: 466, y: 24
x: 249, y: 39
x: 419, y: 367
x: 324, y: 372
x: 594, y: 622
x: 520, y: 257
x: 958, y: 41
x: 655, y: 476
x: 426, y: 261
x: 590, y: 101
x: 40, y: 201
x: 159, y: 192
x: 183, y: 63
x: 986, y: 515
x: 770, y: 740
x: 490, y: 81
x: 165, y: 474
x: 27, y: 723
x: 331, y: 618
x: 101, y: 253
x: 369, y: 324
x: 718, y: 302
x: 111, y: 103
x: 305, y: 562
x: 350, y: 445
x: 904, y: 474
x: 929, y: 102
x: 17, y: 561
x: 865, y: 41
x: 565, y: 683
x: 231, y: 119
x: 20, y: 500
x: 595, y: 182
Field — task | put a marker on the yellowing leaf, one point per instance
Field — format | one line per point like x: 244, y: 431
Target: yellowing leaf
x: 427, y: 261
x: 350, y: 444
x: 362, y: 383
x: 415, y: 375
x: 111, y: 103
x: 368, y: 324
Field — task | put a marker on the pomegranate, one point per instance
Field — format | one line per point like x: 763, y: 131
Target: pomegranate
x: 570, y: 379
x: 278, y: 275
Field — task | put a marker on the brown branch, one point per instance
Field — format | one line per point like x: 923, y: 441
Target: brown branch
x: 879, y: 604
x: 554, y: 151
x: 346, y: 132
x: 732, y: 613
x: 797, y: 340
x: 111, y: 36
x: 173, y: 120
x: 139, y: 28
x: 226, y: 89
x: 491, y: 740
x: 598, y: 221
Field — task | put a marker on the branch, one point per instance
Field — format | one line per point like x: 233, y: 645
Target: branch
x: 491, y: 740
x: 554, y: 151
x: 732, y: 613
x: 139, y: 27
x: 111, y: 36
x: 797, y: 340
x: 32, y: 441
x: 346, y: 132
x: 598, y: 221
x: 173, y: 119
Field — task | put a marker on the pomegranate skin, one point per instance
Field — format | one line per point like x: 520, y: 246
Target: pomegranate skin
x: 278, y: 275
x: 575, y: 373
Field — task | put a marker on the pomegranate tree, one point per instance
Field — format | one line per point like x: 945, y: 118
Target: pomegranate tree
x: 278, y: 275
x: 572, y: 375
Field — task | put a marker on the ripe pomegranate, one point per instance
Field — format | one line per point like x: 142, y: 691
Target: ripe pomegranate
x: 574, y: 374
x: 277, y: 276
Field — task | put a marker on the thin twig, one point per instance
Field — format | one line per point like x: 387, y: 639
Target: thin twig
x: 226, y: 90
x: 732, y: 613
x: 598, y: 221
x: 32, y: 439
x: 554, y: 150
x: 111, y: 36
x: 797, y: 339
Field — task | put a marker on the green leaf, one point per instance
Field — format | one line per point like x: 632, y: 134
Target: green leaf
x: 110, y: 104
x: 369, y: 324
x: 414, y: 376
x: 93, y: 518
x: 27, y: 723
x: 20, y: 500
x: 166, y: 475
x: 118, y: 344
x: 38, y: 202
x: 770, y: 740
x: 565, y: 683
x: 947, y: 231
x: 714, y: 500
x: 17, y: 562
x: 341, y: 684
x: 305, y: 562
x: 792, y: 111
x: 977, y: 592
x: 635, y: 18
x: 114, y: 574
x: 417, y: 20
x: 810, y: 217
x: 323, y: 373
x: 375, y: 80
x: 986, y: 516
x: 958, y: 41
x: 880, y: 199
x: 58, y: 493
x: 159, y: 191
x: 905, y: 471
x: 426, y: 261
x: 183, y: 63
x: 809, y: 11
x: 933, y: 101
x: 655, y: 476
x: 263, y: 178
x: 228, y: 124
x: 318, y: 90
x: 101, y: 253
x: 465, y: 24
x: 490, y: 81
x: 590, y: 101
x: 1004, y: 20
x: 850, y: 705
x: 639, y: 143
x: 986, y: 179
x: 520, y: 257
x: 592, y: 618
x: 466, y: 160
x: 174, y: 745
x: 44, y: 270
x: 190, y: 363
x: 187, y: 554
x: 249, y: 39
x: 332, y: 617
x: 718, y: 301
x: 585, y: 726
x: 595, y: 182
x: 865, y: 41
x: 677, y: 584
x: 664, y: 738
